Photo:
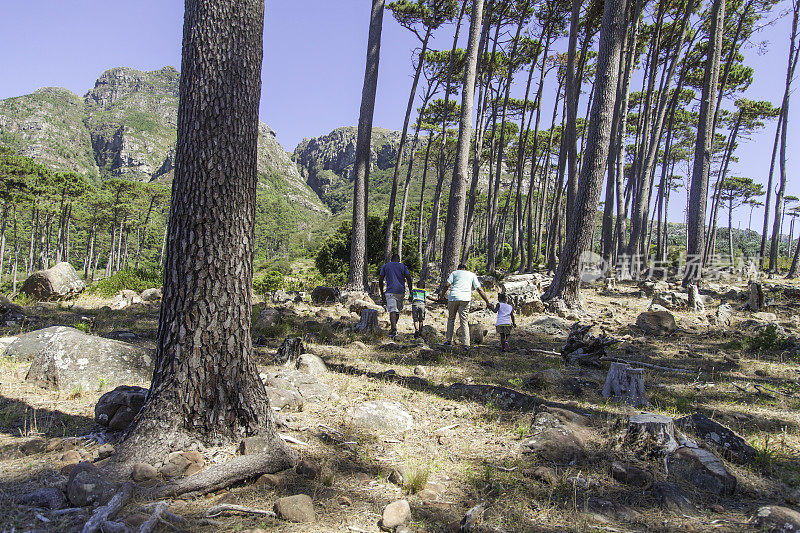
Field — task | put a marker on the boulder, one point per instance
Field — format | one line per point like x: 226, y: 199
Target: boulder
x: 143, y: 472
x: 311, y: 364
x: 56, y: 283
x: 764, y: 316
x: 630, y: 474
x: 151, y: 295
x: 267, y: 318
x: 702, y: 469
x: 556, y: 436
x: 117, y: 408
x: 723, y: 315
x: 650, y: 288
x: 656, y: 322
x: 379, y: 416
x: 123, y: 299
x: 284, y: 399
x: 281, y: 297
x: 63, y: 358
x: 298, y: 508
x: 523, y: 293
x: 722, y: 439
x: 325, y: 295
x: 776, y: 519
x: 672, y: 300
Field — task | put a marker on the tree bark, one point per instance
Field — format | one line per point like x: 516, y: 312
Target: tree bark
x: 205, y: 383
x: 698, y: 192
x: 566, y: 283
x: 357, y: 276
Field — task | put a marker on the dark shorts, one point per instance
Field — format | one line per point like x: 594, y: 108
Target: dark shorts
x: 417, y: 313
x: 504, y: 329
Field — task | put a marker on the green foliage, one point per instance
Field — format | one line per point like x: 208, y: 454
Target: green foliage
x: 135, y: 279
x: 768, y: 339
x: 333, y: 256
x: 267, y: 282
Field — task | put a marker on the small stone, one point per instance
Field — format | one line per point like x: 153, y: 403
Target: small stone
x: 308, y: 469
x: 420, y: 371
x: 35, y: 445
x: 311, y: 364
x: 71, y: 457
x: 87, y: 486
x: 194, y: 457
x: 143, y: 472
x: 396, y: 477
x: 717, y: 508
x: 48, y: 497
x: 277, y: 481
x: 344, y: 501
x: 444, y: 440
x: 396, y: 514
x: 104, y: 451
x: 298, y: 508
x: 542, y: 473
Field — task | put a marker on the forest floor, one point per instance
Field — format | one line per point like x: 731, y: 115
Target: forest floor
x: 462, y: 451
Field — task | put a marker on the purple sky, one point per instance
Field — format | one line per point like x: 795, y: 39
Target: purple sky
x: 313, y: 63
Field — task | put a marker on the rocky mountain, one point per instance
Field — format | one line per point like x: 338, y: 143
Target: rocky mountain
x: 326, y: 162
x: 126, y: 127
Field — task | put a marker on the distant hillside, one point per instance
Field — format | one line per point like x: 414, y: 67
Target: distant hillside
x: 126, y: 127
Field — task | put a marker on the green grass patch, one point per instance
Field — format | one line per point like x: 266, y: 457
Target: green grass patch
x: 135, y: 279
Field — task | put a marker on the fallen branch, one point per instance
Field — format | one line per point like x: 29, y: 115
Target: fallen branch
x: 220, y: 476
x: 544, y: 352
x: 217, y: 510
x: 293, y: 440
x: 147, y: 508
x: 647, y: 365
x: 150, y: 523
x: 762, y: 387
x: 109, y: 510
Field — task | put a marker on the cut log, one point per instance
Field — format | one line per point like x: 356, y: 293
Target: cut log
x: 290, y: 351
x: 756, y: 301
x: 625, y: 384
x: 652, y: 433
x: 368, y: 322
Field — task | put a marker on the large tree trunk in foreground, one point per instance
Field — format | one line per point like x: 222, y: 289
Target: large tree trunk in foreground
x: 357, y: 277
x: 454, y: 229
x: 566, y: 283
x: 205, y: 384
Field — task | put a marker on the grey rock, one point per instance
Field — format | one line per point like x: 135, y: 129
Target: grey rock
x: 68, y: 358
x: 298, y: 508
x: 117, y: 408
x: 555, y: 436
x: 676, y: 301
x: 124, y: 299
x: 379, y: 416
x: 550, y: 326
x: 311, y: 364
x: 267, y: 318
x: 723, y: 315
x: 10, y: 312
x: 143, y: 472
x: 764, y: 316
x: 324, y: 295
x: 151, y: 295
x: 630, y: 474
x: 281, y: 297
x: 776, y: 519
x: 47, y: 497
x: 87, y: 486
x: 656, y: 322
x: 722, y: 439
x: 284, y: 399
x: 396, y: 514
x: 702, y: 469
x: 56, y: 283
x: 672, y: 498
x: 523, y: 293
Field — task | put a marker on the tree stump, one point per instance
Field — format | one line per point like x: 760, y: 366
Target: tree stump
x: 289, y: 351
x: 368, y: 322
x: 626, y: 384
x: 695, y: 301
x: 651, y: 432
x: 756, y: 302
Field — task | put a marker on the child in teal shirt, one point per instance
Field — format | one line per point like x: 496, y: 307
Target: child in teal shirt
x: 418, y: 296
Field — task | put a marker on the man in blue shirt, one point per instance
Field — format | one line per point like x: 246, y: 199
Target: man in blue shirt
x: 461, y: 282
x: 396, y: 275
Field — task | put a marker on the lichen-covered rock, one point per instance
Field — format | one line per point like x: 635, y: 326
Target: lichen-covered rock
x: 776, y: 519
x: 298, y: 508
x: 63, y: 358
x: 557, y: 436
x: 87, y: 486
x: 379, y: 416
x: 656, y: 322
x: 56, y: 283
x: 325, y: 295
x: 151, y: 295
x: 722, y: 439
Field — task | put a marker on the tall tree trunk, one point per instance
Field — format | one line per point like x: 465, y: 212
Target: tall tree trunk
x: 357, y: 276
x: 698, y: 193
x: 205, y: 382
x: 566, y: 283
x: 387, y: 249
x: 454, y: 229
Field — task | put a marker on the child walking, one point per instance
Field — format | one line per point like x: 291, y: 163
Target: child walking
x: 418, y: 297
x: 505, y: 321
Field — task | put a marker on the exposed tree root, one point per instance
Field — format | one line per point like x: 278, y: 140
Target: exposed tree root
x: 233, y: 471
x: 109, y: 510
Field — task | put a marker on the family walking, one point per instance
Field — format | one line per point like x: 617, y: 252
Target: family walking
x: 393, y: 278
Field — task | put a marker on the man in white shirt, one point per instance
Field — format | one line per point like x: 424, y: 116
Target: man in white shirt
x: 461, y: 282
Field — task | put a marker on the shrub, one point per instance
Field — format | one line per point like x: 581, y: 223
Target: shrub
x: 135, y: 279
x: 271, y: 281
